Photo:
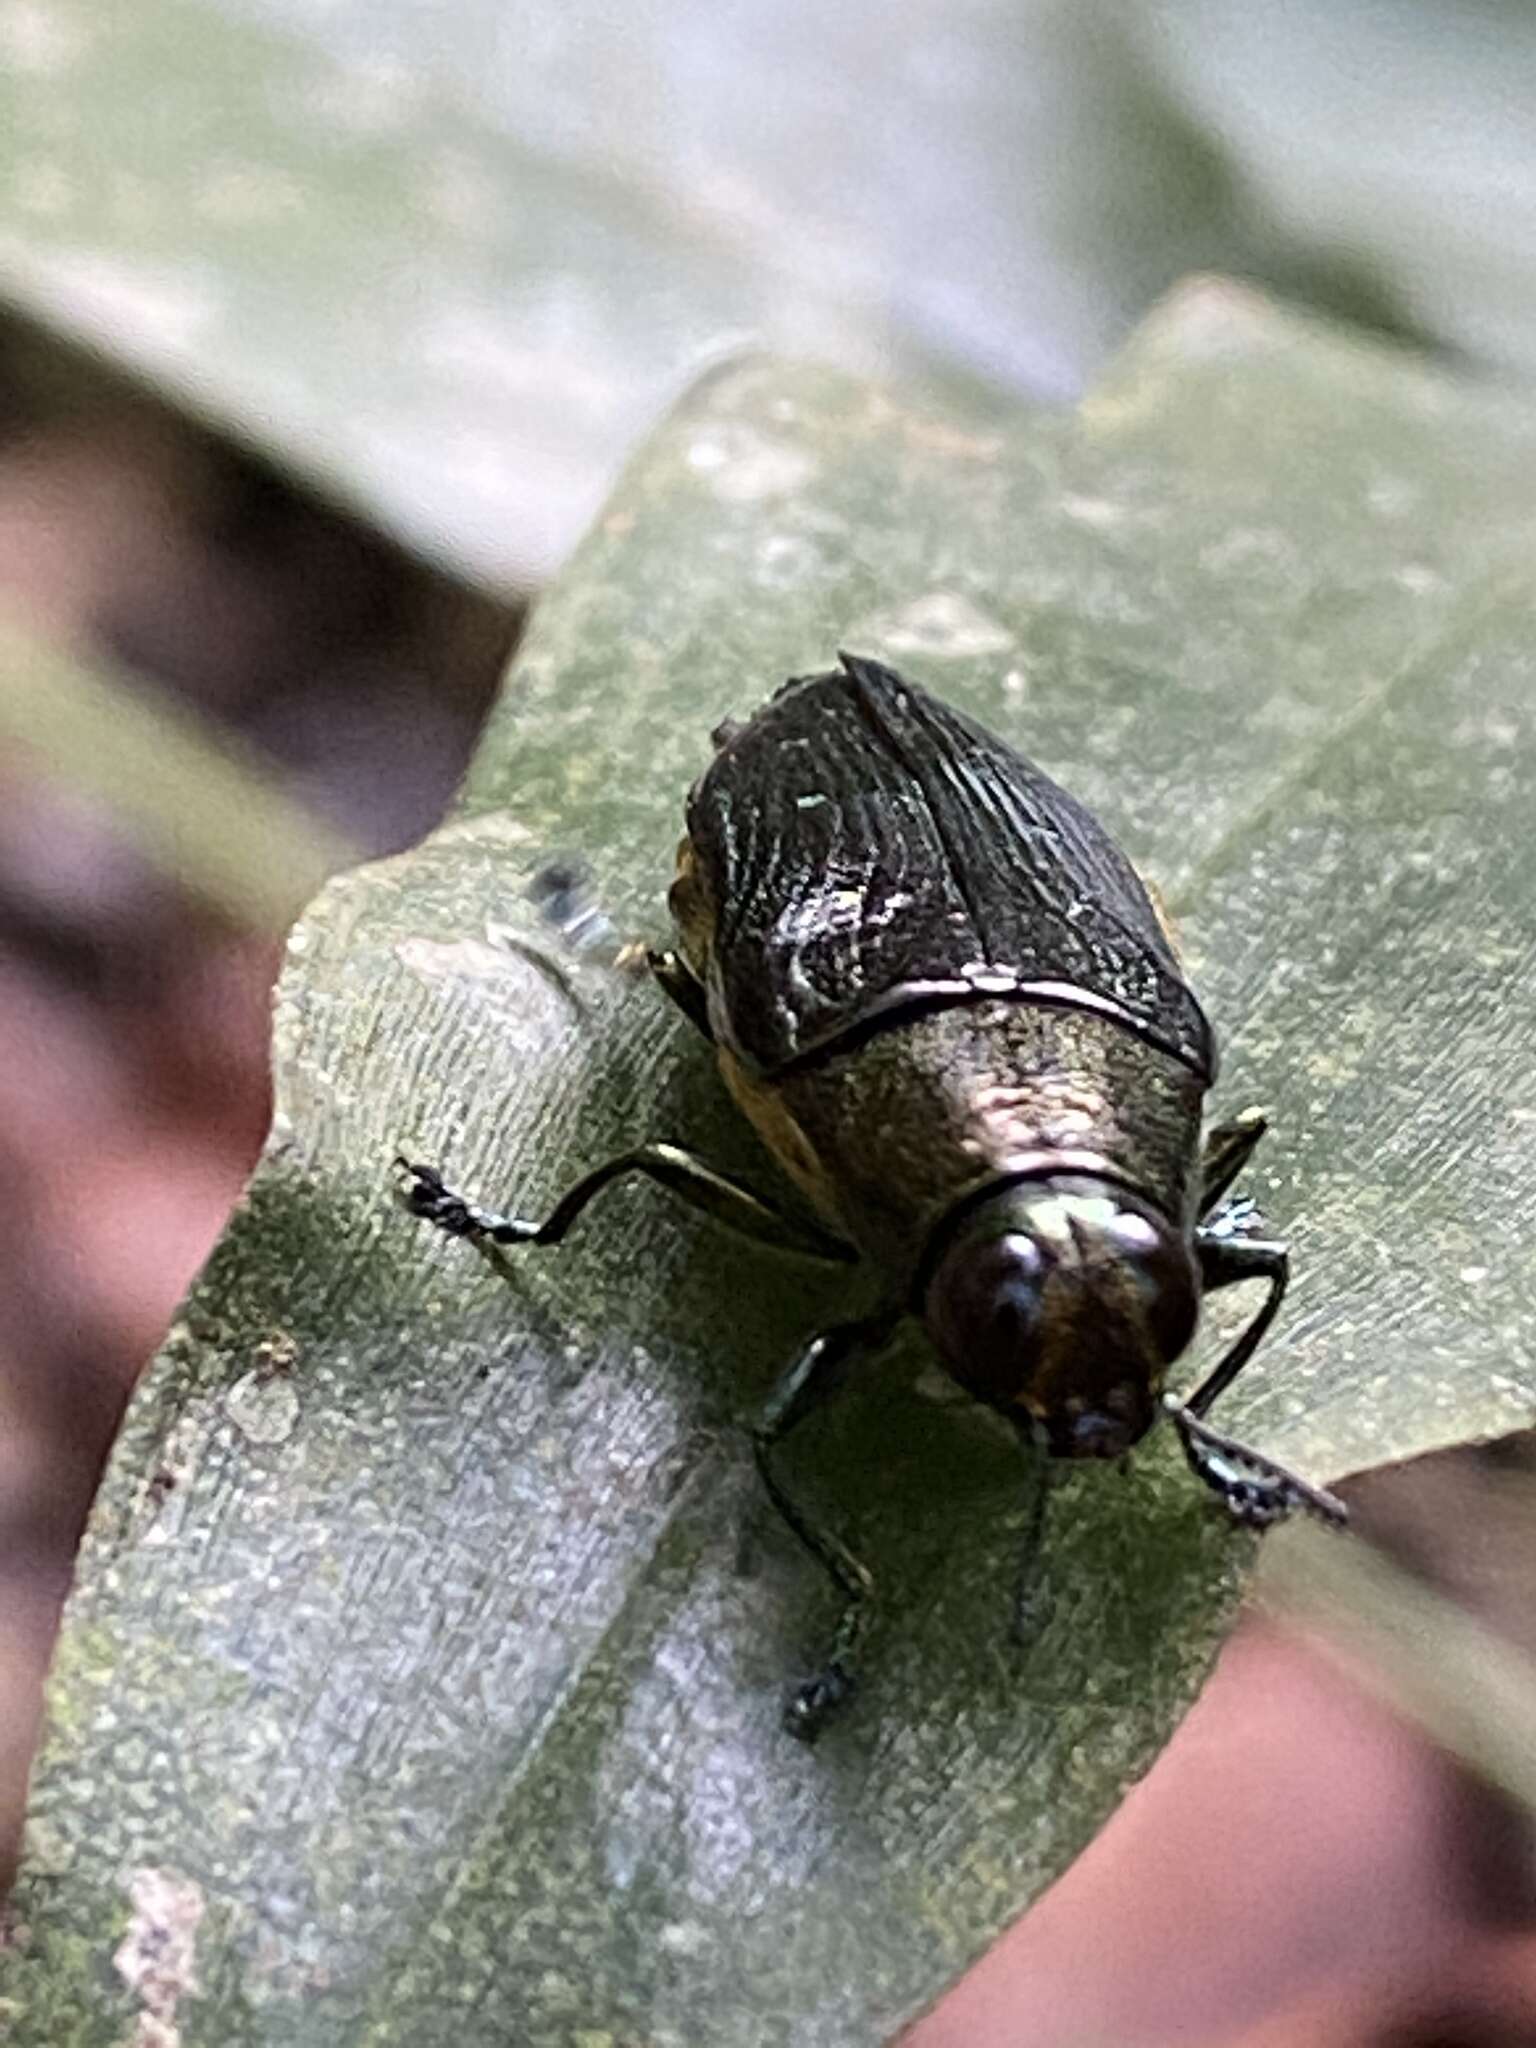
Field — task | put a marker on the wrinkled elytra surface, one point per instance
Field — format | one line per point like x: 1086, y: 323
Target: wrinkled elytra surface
x: 451, y: 1678
x: 861, y: 845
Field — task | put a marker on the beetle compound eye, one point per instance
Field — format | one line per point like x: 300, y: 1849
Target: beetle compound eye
x: 983, y: 1308
x: 1158, y: 1265
x: 1133, y: 1234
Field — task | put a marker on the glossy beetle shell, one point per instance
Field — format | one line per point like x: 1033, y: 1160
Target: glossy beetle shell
x: 857, y: 850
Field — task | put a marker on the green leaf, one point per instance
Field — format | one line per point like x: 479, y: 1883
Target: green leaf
x: 354, y: 264
x: 447, y: 1672
x: 356, y: 244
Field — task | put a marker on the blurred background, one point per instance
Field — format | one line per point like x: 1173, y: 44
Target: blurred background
x: 455, y: 258
x: 324, y: 329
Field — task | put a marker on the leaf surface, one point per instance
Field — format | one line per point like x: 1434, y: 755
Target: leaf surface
x: 448, y: 1671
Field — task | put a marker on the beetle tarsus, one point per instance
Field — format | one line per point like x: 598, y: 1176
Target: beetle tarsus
x: 429, y: 1196
x: 1254, y: 1489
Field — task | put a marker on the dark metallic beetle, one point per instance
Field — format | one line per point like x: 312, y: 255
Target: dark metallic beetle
x: 945, y: 1000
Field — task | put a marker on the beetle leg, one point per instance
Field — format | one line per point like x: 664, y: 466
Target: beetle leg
x: 1253, y: 1487
x: 427, y: 1194
x: 1224, y: 1261
x: 1029, y: 1602
x: 811, y: 1380
x: 682, y: 985
x: 1228, y: 1148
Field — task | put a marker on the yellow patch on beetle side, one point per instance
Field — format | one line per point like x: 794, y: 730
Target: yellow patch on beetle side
x: 765, y: 1109
x: 692, y: 911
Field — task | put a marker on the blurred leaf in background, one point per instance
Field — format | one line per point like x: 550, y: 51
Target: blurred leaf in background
x: 454, y: 265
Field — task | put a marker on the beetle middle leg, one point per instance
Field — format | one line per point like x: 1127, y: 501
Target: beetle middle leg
x: 428, y: 1195
x: 1253, y: 1487
x: 813, y: 1378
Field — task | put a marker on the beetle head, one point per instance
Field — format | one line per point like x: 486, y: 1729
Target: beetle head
x: 1062, y: 1302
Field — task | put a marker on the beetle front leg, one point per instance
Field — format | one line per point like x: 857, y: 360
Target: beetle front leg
x: 1030, y: 1606
x: 811, y: 1380
x: 1223, y: 1262
x: 428, y: 1195
x: 1254, y: 1488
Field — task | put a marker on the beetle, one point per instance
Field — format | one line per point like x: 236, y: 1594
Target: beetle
x: 949, y: 1006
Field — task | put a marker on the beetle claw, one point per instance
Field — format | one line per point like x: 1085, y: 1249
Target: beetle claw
x: 810, y: 1708
x: 427, y: 1194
